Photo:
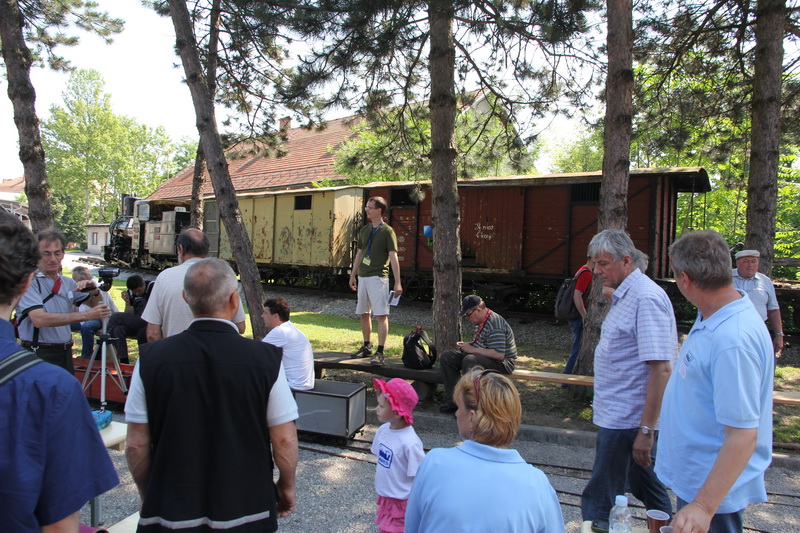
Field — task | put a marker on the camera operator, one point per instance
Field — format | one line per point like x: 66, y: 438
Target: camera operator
x: 88, y: 328
x: 130, y: 323
x: 44, y: 313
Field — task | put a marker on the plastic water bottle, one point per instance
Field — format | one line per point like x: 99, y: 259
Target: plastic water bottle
x: 619, y: 521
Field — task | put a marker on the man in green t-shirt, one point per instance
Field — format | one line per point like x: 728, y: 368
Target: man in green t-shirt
x: 377, y: 248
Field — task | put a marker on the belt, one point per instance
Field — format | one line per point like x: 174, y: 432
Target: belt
x: 48, y: 345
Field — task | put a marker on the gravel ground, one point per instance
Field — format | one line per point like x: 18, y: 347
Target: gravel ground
x: 336, y: 494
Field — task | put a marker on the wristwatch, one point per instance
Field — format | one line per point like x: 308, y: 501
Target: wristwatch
x: 646, y: 430
x: 779, y: 334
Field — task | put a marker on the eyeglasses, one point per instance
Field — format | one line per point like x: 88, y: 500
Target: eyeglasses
x: 477, y: 384
x: 370, y: 207
x: 468, y: 313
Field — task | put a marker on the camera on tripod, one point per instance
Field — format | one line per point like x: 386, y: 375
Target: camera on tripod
x: 107, y: 276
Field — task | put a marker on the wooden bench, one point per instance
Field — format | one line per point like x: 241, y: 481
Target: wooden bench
x: 425, y: 381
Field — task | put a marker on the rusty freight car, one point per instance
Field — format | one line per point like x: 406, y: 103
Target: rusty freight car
x: 521, y: 232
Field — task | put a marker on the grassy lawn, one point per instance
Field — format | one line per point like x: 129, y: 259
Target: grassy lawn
x: 543, y: 403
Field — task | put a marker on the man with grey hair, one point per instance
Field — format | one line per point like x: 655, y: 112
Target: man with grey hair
x: 631, y: 367
x: 761, y: 291
x: 45, y: 311
x: 210, y: 411
x: 166, y: 312
x: 716, y: 428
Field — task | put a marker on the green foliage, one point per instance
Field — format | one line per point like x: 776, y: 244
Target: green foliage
x: 45, y: 21
x: 94, y: 155
x: 583, y: 154
x: 381, y: 151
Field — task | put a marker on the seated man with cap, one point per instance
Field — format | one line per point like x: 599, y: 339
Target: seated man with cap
x: 761, y: 292
x: 493, y: 347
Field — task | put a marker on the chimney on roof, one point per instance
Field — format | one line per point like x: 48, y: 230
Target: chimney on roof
x: 286, y: 123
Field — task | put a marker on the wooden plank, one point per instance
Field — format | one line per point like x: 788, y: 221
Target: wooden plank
x: 785, y: 397
x: 395, y: 369
x: 552, y: 377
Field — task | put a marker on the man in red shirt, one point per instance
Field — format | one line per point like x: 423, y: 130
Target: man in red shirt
x: 579, y: 296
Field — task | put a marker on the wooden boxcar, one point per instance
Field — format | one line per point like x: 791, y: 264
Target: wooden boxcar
x: 297, y: 234
x: 521, y: 231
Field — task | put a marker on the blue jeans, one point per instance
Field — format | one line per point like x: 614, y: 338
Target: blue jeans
x: 88, y: 329
x: 577, y: 337
x: 722, y: 523
x: 614, y: 470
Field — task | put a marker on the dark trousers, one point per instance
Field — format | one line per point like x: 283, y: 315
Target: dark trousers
x: 124, y: 325
x: 59, y: 357
x: 577, y: 338
x: 614, y: 470
x: 455, y: 362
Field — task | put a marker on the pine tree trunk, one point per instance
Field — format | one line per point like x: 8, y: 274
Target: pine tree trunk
x: 613, y: 210
x: 198, y: 178
x: 762, y: 186
x: 229, y: 211
x: 446, y: 216
x: 17, y: 58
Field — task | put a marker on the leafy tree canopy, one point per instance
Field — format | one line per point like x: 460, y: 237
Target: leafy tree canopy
x: 95, y: 155
x: 381, y: 152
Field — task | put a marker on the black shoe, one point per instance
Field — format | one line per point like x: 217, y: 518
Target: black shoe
x: 377, y: 359
x: 364, y: 351
x: 449, y: 409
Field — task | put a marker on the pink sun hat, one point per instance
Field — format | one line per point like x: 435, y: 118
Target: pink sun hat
x: 402, y: 396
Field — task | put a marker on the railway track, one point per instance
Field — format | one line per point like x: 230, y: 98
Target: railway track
x: 358, y: 449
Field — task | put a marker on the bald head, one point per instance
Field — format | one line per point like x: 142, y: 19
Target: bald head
x: 192, y: 243
x: 208, y: 287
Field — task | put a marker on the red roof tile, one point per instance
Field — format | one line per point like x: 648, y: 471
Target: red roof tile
x: 16, y: 185
x: 307, y: 159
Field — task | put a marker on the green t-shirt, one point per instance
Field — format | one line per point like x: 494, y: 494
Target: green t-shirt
x: 383, y: 242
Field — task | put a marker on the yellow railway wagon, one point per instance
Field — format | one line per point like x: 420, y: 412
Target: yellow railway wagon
x: 296, y: 232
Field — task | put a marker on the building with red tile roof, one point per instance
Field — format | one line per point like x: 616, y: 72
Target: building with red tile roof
x: 11, y: 189
x: 307, y: 159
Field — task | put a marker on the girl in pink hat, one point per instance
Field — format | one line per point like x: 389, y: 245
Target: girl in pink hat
x: 399, y: 452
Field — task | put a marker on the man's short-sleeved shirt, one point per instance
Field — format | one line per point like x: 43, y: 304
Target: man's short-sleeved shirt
x: 166, y: 306
x: 760, y: 290
x: 384, y: 241
x: 41, y: 287
x: 298, y: 357
x: 584, y: 282
x: 281, y: 408
x: 639, y: 327
x: 723, y: 378
x: 497, y: 335
x: 52, y: 459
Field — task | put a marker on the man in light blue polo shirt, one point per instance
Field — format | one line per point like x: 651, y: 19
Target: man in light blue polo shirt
x: 716, y: 418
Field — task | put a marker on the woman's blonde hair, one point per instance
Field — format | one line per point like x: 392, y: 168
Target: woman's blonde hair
x: 498, y: 411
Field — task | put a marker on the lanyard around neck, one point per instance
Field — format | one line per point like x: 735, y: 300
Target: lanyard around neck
x: 480, y: 328
x: 371, y: 236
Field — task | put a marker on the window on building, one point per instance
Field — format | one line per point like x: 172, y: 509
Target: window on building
x: 94, y: 237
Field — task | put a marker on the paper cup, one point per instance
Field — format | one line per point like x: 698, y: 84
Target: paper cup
x: 656, y: 520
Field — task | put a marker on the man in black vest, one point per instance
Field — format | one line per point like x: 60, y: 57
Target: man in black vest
x: 208, y: 412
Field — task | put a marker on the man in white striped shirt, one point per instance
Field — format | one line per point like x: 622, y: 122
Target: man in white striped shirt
x: 632, y: 366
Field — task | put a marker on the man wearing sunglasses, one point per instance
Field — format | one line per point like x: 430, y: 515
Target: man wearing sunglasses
x: 493, y: 347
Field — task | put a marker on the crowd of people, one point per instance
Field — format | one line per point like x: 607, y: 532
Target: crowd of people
x: 211, y: 413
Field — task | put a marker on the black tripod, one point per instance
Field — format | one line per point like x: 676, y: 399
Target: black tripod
x: 105, y: 347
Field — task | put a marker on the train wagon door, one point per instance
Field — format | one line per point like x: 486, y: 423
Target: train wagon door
x: 211, y: 226
x: 492, y: 227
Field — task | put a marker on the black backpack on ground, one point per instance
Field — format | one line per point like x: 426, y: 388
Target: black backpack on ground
x: 418, y: 352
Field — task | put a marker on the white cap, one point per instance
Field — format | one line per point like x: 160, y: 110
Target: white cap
x: 621, y: 500
x: 747, y: 253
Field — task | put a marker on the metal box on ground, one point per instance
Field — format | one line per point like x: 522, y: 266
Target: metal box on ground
x: 332, y: 408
